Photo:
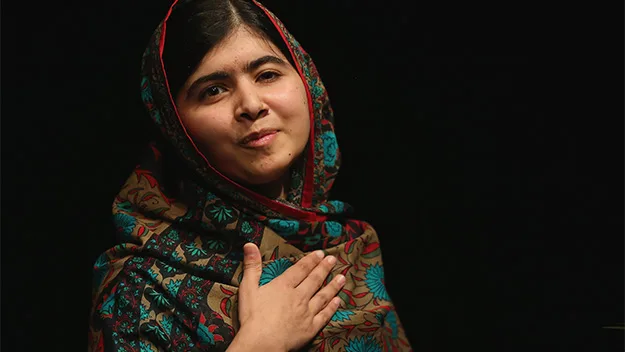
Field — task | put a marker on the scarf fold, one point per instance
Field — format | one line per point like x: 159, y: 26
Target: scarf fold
x: 171, y: 283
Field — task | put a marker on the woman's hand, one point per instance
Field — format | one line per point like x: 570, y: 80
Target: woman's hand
x: 285, y: 314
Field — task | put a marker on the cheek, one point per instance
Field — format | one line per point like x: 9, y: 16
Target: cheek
x: 206, y: 127
x: 304, y: 112
x: 294, y: 104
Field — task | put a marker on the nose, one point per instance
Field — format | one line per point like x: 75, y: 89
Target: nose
x: 251, y: 105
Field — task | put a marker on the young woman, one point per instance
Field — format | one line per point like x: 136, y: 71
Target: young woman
x: 228, y: 238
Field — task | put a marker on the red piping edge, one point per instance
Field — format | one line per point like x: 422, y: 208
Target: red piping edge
x: 310, y: 165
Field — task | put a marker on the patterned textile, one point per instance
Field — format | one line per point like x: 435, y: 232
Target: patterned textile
x: 171, y: 283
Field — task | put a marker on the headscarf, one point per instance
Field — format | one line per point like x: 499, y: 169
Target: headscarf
x: 171, y: 283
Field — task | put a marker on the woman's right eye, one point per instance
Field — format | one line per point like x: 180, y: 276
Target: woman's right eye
x: 211, y: 92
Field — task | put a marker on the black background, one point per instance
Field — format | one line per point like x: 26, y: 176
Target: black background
x: 477, y: 138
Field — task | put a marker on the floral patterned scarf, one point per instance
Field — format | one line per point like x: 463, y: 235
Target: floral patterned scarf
x: 171, y: 283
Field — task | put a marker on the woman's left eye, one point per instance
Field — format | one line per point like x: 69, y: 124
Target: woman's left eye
x: 268, y: 76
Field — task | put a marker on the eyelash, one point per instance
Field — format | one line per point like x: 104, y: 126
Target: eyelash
x: 205, y: 93
x: 274, y: 73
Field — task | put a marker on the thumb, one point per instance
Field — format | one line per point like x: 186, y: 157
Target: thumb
x: 252, y: 268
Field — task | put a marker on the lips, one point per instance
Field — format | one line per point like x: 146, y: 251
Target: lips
x: 255, y: 136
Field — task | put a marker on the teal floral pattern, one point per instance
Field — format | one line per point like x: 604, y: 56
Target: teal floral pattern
x: 220, y: 214
x: 339, y: 206
x: 342, y: 315
x: 392, y: 323
x: 125, y: 224
x: 273, y: 270
x: 374, y: 279
x: 363, y: 344
x: 330, y: 148
x: 246, y: 227
x: 284, y: 227
x: 333, y: 228
x: 171, y: 281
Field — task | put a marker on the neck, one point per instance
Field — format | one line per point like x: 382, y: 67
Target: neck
x: 274, y: 190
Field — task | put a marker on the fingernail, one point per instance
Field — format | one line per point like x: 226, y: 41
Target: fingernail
x: 248, y: 249
x: 319, y: 254
x: 336, y: 301
x: 331, y: 259
x: 340, y: 279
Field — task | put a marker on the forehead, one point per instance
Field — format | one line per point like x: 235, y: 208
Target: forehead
x: 240, y: 47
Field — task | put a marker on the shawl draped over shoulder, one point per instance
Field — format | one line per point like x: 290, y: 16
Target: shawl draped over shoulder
x: 171, y: 281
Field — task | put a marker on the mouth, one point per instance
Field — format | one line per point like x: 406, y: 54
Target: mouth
x: 259, y: 138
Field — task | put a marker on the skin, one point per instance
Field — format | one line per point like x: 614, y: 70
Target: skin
x: 219, y: 111
x: 289, y: 311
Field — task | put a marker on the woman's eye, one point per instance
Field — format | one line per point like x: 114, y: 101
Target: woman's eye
x: 211, y: 91
x: 268, y: 76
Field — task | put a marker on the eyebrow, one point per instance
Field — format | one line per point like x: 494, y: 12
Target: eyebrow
x: 267, y: 59
x: 222, y: 75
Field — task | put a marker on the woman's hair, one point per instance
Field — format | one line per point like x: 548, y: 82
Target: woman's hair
x: 196, y: 26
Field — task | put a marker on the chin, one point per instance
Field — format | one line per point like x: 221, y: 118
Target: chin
x: 263, y: 173
x: 259, y: 171
x: 260, y: 177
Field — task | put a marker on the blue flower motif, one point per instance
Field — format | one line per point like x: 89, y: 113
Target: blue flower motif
x: 195, y: 251
x: 330, y: 148
x: 166, y: 323
x: 215, y: 245
x: 144, y: 313
x: 220, y: 213
x: 246, y: 227
x: 391, y: 321
x: 101, y: 262
x: 123, y: 302
x: 124, y: 206
x: 374, y: 279
x: 338, y: 205
x: 342, y: 315
x: 146, y: 94
x: 274, y: 269
x: 363, y: 344
x: 159, y: 298
x: 380, y: 318
x: 316, y: 89
x: 205, y: 336
x: 100, y: 268
x: 334, y: 228
x: 210, y: 196
x: 108, y: 305
x: 284, y: 227
x: 153, y: 275
x: 173, y: 234
x: 323, y: 208
x: 145, y: 346
x: 153, y: 329
x: 157, y: 116
x: 124, y: 224
x: 173, y: 286
x: 175, y: 257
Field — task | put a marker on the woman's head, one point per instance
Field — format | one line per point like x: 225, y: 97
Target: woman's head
x: 236, y: 89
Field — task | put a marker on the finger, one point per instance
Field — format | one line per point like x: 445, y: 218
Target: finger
x: 325, y: 295
x: 252, y: 269
x: 294, y: 275
x: 322, y: 318
x: 315, y: 279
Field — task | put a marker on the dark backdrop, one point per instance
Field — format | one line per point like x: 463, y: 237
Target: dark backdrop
x: 476, y: 138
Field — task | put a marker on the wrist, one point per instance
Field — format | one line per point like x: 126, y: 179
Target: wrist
x: 253, y: 340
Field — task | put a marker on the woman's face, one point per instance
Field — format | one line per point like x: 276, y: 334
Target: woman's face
x: 246, y: 109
